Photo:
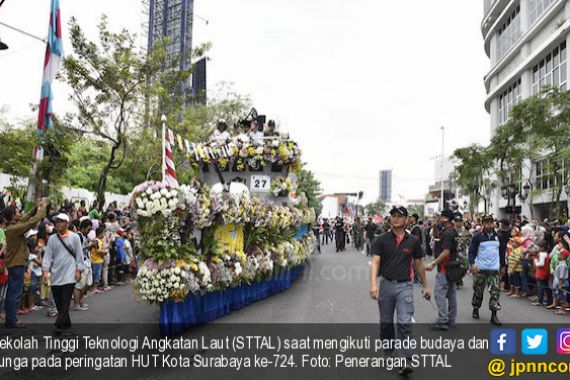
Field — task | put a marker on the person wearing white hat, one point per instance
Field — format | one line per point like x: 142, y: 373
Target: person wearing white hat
x: 63, y: 259
x: 31, y: 233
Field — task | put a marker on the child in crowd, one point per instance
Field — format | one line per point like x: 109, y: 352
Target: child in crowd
x: 515, y: 266
x: 98, y: 253
x: 553, y: 264
x: 560, y: 281
x: 542, y: 274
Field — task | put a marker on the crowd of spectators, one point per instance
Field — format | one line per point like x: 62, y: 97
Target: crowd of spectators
x: 35, y: 256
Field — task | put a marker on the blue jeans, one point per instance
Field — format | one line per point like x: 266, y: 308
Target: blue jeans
x: 369, y: 242
x: 396, y: 297
x: 15, y: 288
x: 96, y: 273
x: 3, y: 291
x: 543, y: 288
x: 524, y: 276
x: 516, y: 280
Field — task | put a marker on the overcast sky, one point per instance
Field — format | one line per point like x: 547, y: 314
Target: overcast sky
x: 362, y: 85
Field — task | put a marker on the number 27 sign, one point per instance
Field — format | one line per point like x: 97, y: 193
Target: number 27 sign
x: 260, y: 183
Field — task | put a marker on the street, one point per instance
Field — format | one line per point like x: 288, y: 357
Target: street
x: 333, y: 289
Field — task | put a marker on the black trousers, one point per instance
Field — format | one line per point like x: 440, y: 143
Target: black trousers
x: 62, y: 295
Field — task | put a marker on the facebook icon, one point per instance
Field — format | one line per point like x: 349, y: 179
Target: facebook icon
x: 503, y: 342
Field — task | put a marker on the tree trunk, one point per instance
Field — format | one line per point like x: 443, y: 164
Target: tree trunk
x: 102, y: 184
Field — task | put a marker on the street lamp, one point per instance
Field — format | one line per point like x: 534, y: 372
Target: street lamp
x: 525, y: 192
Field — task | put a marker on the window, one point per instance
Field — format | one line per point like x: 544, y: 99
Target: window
x: 537, y: 8
x: 544, y: 177
x: 551, y: 71
x: 507, y: 100
x: 509, y: 33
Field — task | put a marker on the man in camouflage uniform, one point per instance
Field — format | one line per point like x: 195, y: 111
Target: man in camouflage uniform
x: 358, y: 234
x: 463, y: 243
x: 487, y: 260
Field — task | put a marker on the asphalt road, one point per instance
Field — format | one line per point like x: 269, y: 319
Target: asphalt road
x: 331, y: 297
x: 332, y: 289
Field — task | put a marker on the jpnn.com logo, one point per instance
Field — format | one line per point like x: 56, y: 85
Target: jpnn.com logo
x: 503, y: 342
x: 534, y: 341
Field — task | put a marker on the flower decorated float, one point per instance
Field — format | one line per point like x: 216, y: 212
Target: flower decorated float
x: 224, y: 241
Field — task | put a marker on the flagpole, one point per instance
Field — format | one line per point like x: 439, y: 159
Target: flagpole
x: 163, y: 119
x: 54, y: 55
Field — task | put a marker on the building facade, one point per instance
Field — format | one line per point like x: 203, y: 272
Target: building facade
x: 386, y: 186
x: 526, y: 42
x: 173, y: 19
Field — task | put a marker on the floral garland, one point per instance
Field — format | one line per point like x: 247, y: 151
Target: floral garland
x: 167, y: 218
x: 241, y: 151
x: 174, y: 280
x: 281, y: 186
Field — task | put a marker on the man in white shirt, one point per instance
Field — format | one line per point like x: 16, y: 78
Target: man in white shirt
x: 221, y: 134
x: 63, y: 258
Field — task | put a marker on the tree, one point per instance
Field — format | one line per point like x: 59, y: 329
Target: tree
x: 16, y: 155
x: 376, y: 208
x: 416, y: 209
x: 472, y: 174
x: 112, y: 83
x: 308, y: 184
x: 544, y: 120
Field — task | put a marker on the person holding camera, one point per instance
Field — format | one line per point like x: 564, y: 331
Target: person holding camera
x: 17, y: 255
x: 446, y: 277
x: 63, y: 259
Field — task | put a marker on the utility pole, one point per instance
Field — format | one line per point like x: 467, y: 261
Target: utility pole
x: 442, y: 202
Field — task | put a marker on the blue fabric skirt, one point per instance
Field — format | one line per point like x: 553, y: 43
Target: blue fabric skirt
x: 176, y: 317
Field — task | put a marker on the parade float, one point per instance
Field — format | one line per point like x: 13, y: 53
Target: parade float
x: 236, y: 235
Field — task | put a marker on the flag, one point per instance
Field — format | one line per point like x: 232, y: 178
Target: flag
x: 171, y: 137
x: 179, y: 139
x: 52, y: 60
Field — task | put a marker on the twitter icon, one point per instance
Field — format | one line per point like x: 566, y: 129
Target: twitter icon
x: 534, y: 341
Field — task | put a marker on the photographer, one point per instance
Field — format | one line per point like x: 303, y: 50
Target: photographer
x: 17, y: 255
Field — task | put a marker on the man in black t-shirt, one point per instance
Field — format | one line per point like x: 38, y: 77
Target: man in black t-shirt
x: 393, y: 253
x: 445, y: 291
x: 326, y: 228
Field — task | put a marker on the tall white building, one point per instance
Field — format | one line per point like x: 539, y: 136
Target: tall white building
x: 526, y: 41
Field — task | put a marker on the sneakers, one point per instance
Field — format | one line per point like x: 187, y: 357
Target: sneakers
x: 80, y: 308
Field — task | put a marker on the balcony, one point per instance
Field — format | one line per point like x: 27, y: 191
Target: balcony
x: 492, y: 10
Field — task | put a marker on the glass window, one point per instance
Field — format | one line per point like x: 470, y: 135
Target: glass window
x: 551, y: 70
x: 537, y: 9
x: 507, y: 100
x: 509, y: 33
